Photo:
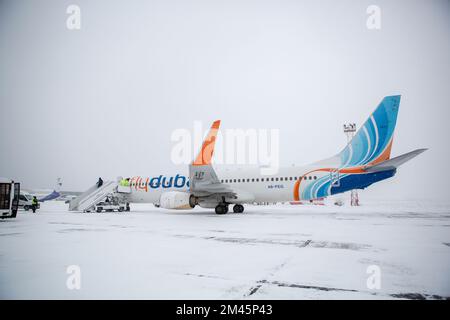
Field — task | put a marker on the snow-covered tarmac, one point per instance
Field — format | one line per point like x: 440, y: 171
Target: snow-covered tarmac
x: 269, y: 252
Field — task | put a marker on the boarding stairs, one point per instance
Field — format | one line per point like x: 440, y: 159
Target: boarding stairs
x: 94, y: 195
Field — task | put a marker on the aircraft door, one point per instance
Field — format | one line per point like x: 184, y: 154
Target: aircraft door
x: 335, y: 178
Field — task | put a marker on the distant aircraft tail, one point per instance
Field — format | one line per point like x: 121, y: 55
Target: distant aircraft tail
x: 53, y: 195
x: 373, y: 141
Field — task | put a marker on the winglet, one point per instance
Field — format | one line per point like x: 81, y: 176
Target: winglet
x: 205, y: 155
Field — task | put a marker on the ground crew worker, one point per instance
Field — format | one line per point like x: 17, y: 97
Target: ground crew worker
x: 99, y: 182
x: 34, y: 204
x: 125, y: 182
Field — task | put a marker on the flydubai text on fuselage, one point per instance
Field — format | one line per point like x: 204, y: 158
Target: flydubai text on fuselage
x: 364, y: 161
x: 149, y: 189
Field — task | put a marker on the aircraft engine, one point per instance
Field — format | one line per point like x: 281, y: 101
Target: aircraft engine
x: 177, y: 200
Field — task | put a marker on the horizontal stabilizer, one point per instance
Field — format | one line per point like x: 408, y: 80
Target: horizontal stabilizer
x: 394, y: 162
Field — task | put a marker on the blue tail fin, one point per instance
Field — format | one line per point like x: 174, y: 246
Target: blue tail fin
x: 373, y: 141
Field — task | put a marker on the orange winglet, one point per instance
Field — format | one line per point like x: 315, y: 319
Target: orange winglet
x: 206, y: 153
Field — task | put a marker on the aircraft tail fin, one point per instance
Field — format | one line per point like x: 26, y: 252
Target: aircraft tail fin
x: 372, y: 143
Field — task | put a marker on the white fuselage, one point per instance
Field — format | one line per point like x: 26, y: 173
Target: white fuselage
x: 248, y: 180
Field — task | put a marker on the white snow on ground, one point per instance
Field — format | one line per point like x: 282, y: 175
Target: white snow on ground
x: 269, y: 252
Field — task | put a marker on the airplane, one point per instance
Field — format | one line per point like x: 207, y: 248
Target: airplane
x: 365, y: 160
x: 52, y: 194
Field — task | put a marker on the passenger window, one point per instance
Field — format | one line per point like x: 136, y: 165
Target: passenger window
x: 257, y: 180
x: 234, y: 180
x: 290, y: 178
x: 315, y: 177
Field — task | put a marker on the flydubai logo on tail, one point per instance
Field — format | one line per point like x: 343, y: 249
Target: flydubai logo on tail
x: 371, y: 145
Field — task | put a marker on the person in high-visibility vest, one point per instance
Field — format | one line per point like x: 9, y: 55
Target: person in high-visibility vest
x: 34, y: 204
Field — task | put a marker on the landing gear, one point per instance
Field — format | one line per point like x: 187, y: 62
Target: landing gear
x: 238, y: 208
x: 221, y: 209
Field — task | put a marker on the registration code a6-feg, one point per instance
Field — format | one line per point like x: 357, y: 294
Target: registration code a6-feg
x: 245, y: 309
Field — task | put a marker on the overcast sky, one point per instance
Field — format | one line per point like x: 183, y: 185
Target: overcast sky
x: 105, y: 99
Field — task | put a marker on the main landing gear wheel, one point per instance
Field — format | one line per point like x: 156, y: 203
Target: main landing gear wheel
x: 221, y: 209
x: 238, y: 208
